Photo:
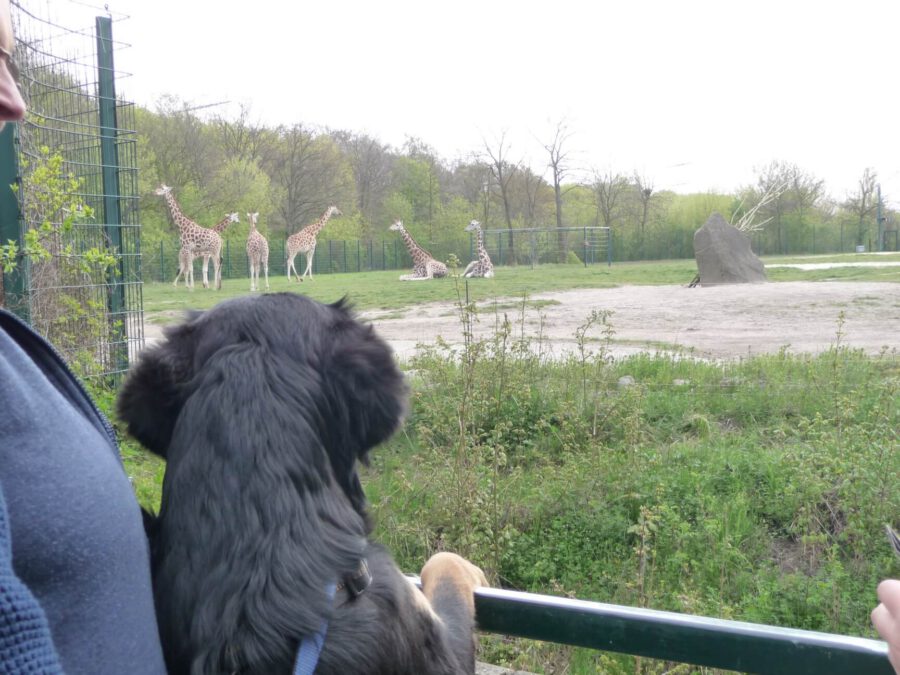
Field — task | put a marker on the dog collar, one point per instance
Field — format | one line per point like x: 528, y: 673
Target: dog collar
x: 358, y: 582
x: 311, y: 646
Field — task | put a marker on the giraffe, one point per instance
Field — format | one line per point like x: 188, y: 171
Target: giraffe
x: 482, y: 266
x: 424, y: 264
x: 304, y: 242
x: 198, y: 240
x: 186, y: 256
x: 257, y: 252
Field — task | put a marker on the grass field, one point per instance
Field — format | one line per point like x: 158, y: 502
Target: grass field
x: 383, y: 290
x: 755, y: 489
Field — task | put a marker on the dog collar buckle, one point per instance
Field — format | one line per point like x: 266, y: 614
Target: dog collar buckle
x: 359, y: 581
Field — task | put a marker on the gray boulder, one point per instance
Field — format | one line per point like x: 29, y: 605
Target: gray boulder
x: 724, y: 256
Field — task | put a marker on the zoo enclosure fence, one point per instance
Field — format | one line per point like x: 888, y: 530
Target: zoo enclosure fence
x: 92, y: 312
x: 670, y: 636
x: 534, y: 246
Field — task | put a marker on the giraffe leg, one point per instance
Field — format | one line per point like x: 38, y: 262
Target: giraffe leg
x: 290, y: 266
x: 252, y: 285
x: 181, y: 269
x: 217, y: 271
x: 309, y: 261
x: 205, y: 272
x: 266, y: 264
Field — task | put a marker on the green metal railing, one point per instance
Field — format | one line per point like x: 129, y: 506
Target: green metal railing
x: 669, y: 636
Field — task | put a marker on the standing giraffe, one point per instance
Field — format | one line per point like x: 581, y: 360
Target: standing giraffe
x: 304, y: 241
x: 186, y: 256
x: 482, y: 265
x: 198, y: 240
x: 424, y: 264
x: 257, y: 252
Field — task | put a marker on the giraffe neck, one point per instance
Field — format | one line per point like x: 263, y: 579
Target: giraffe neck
x: 177, y: 216
x: 414, y: 249
x: 319, y: 224
x: 479, y: 239
x: 222, y: 224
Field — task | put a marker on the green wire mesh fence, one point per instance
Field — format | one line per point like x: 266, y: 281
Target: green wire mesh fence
x: 77, y: 280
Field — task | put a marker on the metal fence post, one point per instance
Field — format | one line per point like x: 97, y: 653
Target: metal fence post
x: 112, y: 217
x: 585, y: 247
x: 13, y: 289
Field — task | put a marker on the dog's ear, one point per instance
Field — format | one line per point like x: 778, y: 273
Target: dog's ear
x: 151, y: 397
x: 364, y: 376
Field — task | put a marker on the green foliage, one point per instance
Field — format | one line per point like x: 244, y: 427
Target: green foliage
x: 754, y: 490
x: 53, y: 208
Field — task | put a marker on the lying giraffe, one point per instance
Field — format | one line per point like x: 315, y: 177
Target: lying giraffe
x: 304, y: 242
x: 482, y: 265
x: 257, y: 253
x: 198, y: 240
x: 186, y: 256
x: 424, y: 264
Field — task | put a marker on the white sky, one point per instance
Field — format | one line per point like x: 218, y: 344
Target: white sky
x: 693, y: 94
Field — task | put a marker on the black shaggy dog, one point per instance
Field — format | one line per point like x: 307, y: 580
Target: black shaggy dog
x: 262, y: 407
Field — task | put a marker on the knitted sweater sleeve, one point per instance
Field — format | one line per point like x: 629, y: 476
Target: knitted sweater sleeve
x: 26, y: 646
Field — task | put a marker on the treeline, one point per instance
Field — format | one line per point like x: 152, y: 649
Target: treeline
x: 290, y: 174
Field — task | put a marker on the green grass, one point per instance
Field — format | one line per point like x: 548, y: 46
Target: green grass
x: 753, y: 490
x: 830, y: 258
x: 757, y: 490
x: 383, y: 290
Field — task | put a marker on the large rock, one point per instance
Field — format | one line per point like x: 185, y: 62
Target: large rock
x: 724, y: 256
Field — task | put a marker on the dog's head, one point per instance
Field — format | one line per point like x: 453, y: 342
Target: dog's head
x: 277, y: 369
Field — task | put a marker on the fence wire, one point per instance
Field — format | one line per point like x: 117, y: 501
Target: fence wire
x: 78, y: 179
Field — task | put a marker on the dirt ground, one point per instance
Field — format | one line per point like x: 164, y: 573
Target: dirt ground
x: 711, y: 322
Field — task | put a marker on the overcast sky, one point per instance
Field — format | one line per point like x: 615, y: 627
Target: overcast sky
x: 695, y: 95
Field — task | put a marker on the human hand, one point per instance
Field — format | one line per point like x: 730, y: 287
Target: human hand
x: 886, y: 618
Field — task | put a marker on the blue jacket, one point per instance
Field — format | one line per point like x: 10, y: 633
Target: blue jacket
x: 73, y: 552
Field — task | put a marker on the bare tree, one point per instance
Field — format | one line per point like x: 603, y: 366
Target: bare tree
x: 609, y: 192
x: 179, y: 143
x: 535, y: 190
x: 305, y: 169
x: 863, y: 203
x: 475, y: 183
x: 645, y: 195
x: 775, y: 181
x: 240, y: 138
x: 807, y: 191
x: 503, y: 172
x: 559, y: 165
x: 371, y: 162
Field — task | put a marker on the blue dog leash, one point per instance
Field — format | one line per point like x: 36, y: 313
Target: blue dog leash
x: 311, y: 646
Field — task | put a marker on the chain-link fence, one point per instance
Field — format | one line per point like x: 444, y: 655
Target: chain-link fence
x: 74, y: 210
x: 581, y: 245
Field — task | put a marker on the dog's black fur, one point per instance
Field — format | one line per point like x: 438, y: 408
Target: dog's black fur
x: 262, y: 407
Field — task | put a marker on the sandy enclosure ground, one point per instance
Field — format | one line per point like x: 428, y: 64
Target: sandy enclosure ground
x: 710, y: 322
